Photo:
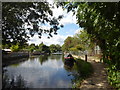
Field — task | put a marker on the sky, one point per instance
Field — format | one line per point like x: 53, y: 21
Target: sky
x: 69, y: 29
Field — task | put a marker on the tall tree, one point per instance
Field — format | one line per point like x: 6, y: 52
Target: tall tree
x: 84, y: 40
x: 80, y: 41
x: 68, y: 43
x: 100, y: 20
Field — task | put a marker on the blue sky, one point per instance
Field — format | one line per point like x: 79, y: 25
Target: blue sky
x: 69, y: 29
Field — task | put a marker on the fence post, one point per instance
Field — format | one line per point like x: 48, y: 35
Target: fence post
x: 86, y: 58
x: 86, y: 55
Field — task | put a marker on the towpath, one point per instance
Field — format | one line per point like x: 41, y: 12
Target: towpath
x: 98, y: 80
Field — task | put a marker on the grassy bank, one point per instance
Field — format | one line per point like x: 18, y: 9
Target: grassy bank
x: 84, y: 70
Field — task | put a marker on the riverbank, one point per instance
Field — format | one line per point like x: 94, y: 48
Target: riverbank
x: 12, y: 57
x: 84, y: 70
x: 15, y: 55
x: 12, y: 61
x: 98, y: 79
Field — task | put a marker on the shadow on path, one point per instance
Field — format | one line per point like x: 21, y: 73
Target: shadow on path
x: 98, y: 80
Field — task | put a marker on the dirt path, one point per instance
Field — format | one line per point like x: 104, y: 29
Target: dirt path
x: 98, y: 80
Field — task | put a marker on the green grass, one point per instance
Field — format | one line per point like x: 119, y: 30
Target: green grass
x: 84, y: 70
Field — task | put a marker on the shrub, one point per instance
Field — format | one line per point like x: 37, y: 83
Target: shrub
x: 14, y: 48
x: 114, y: 76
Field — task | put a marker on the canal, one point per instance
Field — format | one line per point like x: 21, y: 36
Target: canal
x: 39, y: 72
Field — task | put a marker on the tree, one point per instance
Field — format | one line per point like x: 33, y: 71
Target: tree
x: 16, y: 15
x: 101, y: 21
x: 53, y: 48
x: 15, y: 48
x: 102, y: 27
x: 32, y: 47
x: 43, y: 48
x: 84, y: 40
x: 58, y: 47
x: 68, y: 43
x: 79, y: 42
x: 6, y: 46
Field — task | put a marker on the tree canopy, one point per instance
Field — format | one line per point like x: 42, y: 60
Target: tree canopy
x: 35, y: 15
x: 101, y: 21
x: 55, y: 48
x: 79, y: 42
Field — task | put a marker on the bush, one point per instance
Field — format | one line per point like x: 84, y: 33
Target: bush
x: 114, y: 76
x: 14, y: 48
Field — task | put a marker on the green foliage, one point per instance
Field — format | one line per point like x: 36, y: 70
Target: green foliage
x: 84, y: 40
x: 102, y: 29
x: 33, y: 14
x: 58, y: 47
x: 32, y: 49
x: 68, y: 43
x: 73, y: 49
x: 79, y: 42
x: 55, y: 48
x: 5, y: 46
x: 43, y: 48
x: 101, y: 21
x: 79, y: 47
x: 15, y: 48
x: 114, y: 76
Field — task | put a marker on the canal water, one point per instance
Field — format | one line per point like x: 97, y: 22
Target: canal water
x: 39, y: 72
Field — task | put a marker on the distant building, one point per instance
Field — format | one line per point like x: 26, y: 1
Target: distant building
x: 97, y: 50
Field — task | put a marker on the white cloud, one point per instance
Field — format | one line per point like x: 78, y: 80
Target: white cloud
x: 78, y: 30
x: 51, y: 1
x: 56, y: 39
x: 57, y: 11
x: 68, y: 17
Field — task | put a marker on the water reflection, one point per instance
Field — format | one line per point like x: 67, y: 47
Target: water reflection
x: 16, y: 65
x: 14, y: 82
x: 55, y: 57
x: 43, y: 58
x: 42, y: 72
x: 68, y: 68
